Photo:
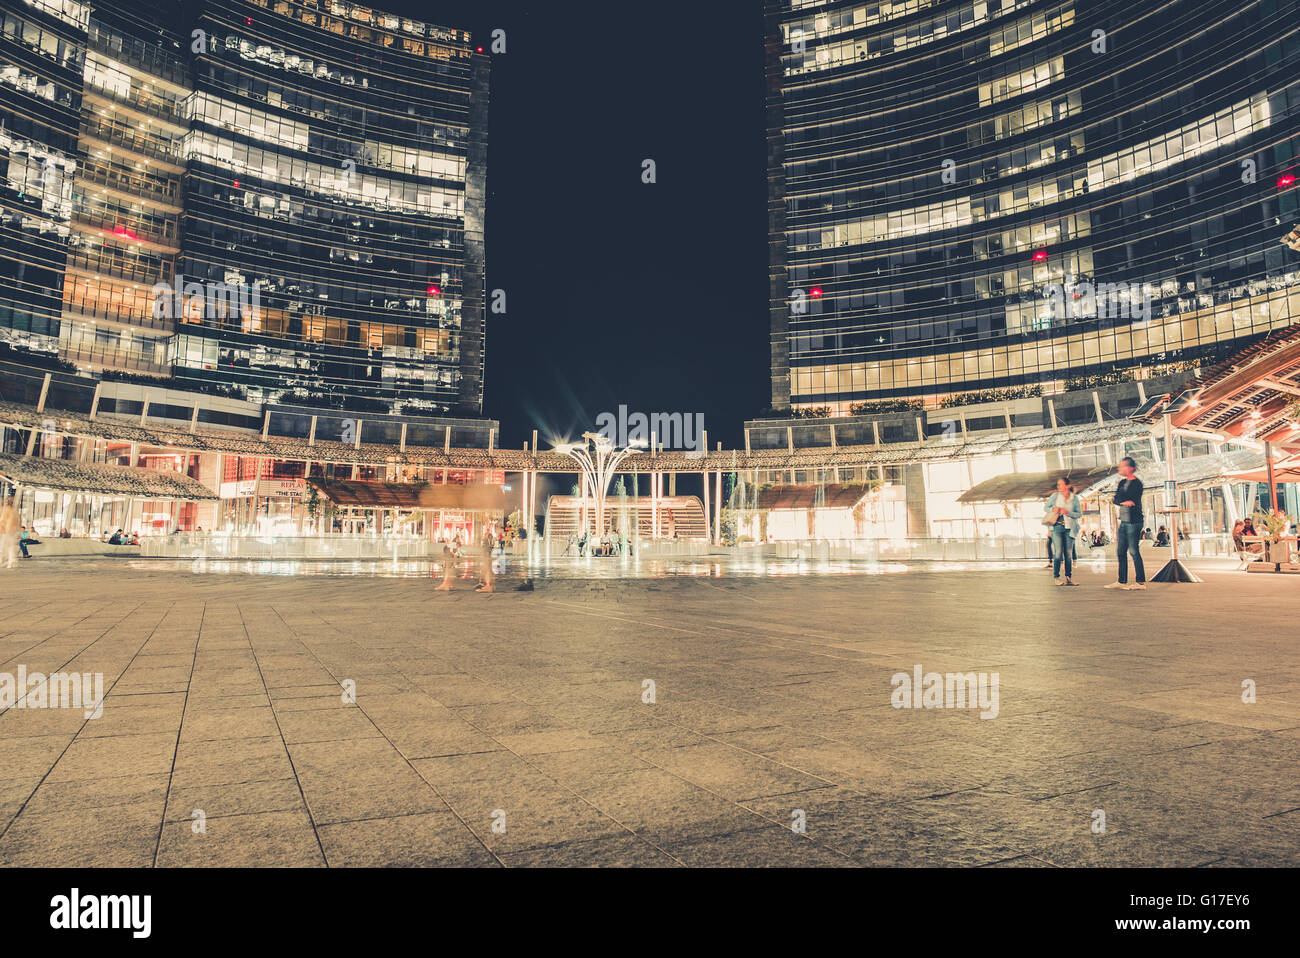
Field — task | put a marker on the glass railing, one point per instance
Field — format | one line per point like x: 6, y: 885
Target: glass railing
x: 984, y: 549
x: 149, y: 105
x: 148, y: 58
x: 103, y: 260
x: 99, y: 307
x: 113, y: 356
x: 284, y: 545
x: 114, y: 225
x: 129, y: 139
x: 130, y: 184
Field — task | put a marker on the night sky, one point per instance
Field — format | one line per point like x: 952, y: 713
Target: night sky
x: 618, y: 292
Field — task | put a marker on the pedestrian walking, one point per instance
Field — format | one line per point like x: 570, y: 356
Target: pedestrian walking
x: 488, y: 583
x: 448, y: 567
x: 1065, y: 512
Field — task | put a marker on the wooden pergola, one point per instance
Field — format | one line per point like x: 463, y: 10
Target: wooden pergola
x: 97, y: 490
x: 1254, y: 396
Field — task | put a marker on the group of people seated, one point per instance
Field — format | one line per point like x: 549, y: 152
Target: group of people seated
x: 1162, y: 538
x: 120, y: 538
x: 1242, y: 528
x: 609, y: 544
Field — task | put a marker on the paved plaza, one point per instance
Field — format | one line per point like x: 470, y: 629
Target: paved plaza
x: 684, y: 720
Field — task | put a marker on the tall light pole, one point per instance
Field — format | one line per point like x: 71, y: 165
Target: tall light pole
x: 599, y: 460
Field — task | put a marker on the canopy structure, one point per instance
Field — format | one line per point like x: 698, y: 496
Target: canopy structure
x: 1285, y: 472
x: 1194, y: 472
x: 202, y: 439
x: 1253, y: 395
x: 1026, y: 486
x: 830, y: 496
x: 412, y: 495
x: 98, y: 479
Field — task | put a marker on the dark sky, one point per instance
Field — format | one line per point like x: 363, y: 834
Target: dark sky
x: 618, y: 292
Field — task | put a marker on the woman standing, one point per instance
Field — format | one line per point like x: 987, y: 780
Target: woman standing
x: 1067, y: 509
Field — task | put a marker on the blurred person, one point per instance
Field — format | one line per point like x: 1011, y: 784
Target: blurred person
x: 10, y: 529
x: 488, y: 583
x: 448, y: 566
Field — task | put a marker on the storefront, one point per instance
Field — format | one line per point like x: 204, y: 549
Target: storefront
x: 438, y: 512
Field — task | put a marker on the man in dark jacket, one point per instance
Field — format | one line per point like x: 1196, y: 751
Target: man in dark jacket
x: 1128, y: 540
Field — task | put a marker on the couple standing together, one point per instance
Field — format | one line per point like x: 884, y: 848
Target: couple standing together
x: 1064, y: 512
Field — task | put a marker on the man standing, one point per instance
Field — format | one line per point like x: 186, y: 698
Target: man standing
x: 1128, y: 501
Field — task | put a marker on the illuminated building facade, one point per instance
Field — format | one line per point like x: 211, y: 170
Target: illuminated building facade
x: 336, y: 182
x: 42, y: 57
x: 994, y: 194
x: 282, y: 202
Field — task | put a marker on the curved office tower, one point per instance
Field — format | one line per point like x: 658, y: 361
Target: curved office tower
x: 42, y: 52
x: 990, y: 193
x: 92, y: 121
x: 279, y: 201
x: 127, y: 197
x: 333, y: 228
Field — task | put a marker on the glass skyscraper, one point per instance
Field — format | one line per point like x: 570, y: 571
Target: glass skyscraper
x: 282, y: 201
x: 42, y: 59
x: 994, y: 194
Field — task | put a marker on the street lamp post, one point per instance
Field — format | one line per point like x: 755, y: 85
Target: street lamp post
x: 599, y: 460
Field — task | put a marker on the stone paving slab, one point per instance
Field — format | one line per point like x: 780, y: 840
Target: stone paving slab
x: 687, y: 721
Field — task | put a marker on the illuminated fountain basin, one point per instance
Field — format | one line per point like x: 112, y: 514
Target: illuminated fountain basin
x: 513, y: 570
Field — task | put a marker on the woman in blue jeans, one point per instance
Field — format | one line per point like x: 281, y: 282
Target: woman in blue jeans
x: 1065, y: 505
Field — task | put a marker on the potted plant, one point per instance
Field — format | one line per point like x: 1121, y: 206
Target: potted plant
x: 1271, y: 528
